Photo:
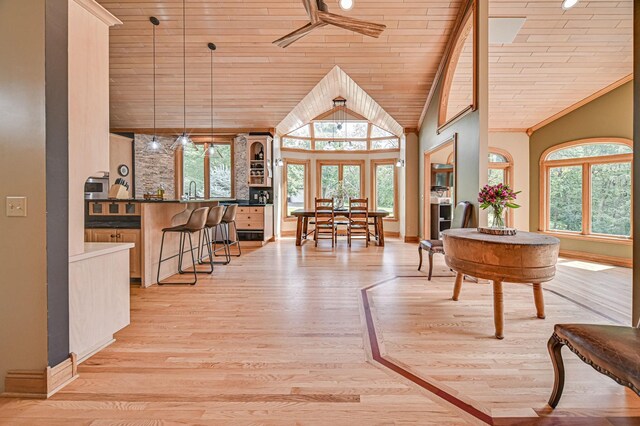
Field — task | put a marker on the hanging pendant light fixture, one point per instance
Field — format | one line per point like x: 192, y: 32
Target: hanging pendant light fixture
x: 184, y: 140
x: 154, y: 146
x: 210, y: 151
x: 340, y: 120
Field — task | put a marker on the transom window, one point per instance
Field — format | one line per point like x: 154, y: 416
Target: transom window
x: 334, y: 135
x: 587, y: 188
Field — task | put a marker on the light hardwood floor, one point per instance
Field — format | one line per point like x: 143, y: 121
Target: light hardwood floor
x: 279, y: 336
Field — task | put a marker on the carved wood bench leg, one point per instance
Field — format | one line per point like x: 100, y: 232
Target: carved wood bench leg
x: 430, y: 264
x: 498, y: 309
x: 420, y: 254
x: 538, y: 298
x: 555, y: 346
x: 457, y: 286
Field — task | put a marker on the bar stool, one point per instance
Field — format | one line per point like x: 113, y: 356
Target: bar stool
x: 211, y: 228
x: 228, y: 219
x: 196, y: 223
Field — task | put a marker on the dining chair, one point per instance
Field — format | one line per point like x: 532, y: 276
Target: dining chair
x: 358, y: 225
x: 461, y: 219
x: 324, y: 220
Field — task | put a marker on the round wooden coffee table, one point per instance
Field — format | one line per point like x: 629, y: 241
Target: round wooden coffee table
x: 522, y: 258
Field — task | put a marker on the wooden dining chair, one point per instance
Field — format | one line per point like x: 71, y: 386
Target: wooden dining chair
x: 358, y: 220
x: 325, y: 220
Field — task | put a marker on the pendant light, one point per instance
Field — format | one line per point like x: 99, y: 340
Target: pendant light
x: 184, y: 140
x: 210, y: 151
x: 340, y: 114
x: 154, y: 146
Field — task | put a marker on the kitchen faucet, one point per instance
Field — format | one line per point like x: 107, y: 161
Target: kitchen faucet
x: 193, y: 194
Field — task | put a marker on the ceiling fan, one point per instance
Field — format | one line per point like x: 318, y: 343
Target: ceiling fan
x: 319, y: 16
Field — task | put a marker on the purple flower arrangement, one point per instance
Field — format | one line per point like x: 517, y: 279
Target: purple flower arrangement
x: 499, y: 197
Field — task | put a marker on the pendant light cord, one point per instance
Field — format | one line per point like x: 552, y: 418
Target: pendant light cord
x: 211, y: 96
x: 154, y: 81
x: 184, y: 66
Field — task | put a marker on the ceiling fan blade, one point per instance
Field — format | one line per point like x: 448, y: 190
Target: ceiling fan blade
x: 311, y: 6
x: 370, y: 29
x: 298, y: 34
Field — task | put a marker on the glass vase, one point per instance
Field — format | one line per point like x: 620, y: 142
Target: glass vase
x: 497, y: 218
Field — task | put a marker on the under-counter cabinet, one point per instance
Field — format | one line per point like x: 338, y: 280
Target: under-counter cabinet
x: 120, y: 235
x: 255, y: 221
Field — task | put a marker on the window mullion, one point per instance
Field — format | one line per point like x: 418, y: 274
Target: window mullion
x: 547, y: 204
x: 586, y: 199
x: 207, y: 173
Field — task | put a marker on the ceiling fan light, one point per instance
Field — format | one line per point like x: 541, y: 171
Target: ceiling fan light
x: 346, y: 4
x: 568, y: 4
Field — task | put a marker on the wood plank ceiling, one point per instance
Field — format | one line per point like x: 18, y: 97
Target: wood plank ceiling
x: 257, y: 83
x: 320, y: 99
x: 557, y: 59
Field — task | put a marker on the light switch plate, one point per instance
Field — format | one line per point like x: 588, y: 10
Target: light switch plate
x: 16, y: 206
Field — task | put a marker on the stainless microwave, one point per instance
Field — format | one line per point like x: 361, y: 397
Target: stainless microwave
x: 96, y: 188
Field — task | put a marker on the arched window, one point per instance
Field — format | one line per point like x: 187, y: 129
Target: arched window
x: 331, y: 135
x: 458, y: 93
x: 586, y: 188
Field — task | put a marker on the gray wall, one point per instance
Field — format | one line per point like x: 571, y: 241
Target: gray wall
x: 57, y: 163
x: 23, y: 287
x: 468, y: 157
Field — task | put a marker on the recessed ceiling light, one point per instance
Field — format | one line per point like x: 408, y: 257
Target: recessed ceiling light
x: 568, y: 4
x: 346, y: 4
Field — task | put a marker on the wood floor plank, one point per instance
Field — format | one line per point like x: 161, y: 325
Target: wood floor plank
x: 278, y: 337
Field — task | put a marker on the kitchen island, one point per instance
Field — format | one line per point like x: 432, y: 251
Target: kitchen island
x: 140, y: 222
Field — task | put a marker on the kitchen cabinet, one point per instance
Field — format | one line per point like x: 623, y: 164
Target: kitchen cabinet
x: 256, y: 219
x: 118, y: 235
x: 113, y: 208
x: 441, y: 215
x: 259, y: 158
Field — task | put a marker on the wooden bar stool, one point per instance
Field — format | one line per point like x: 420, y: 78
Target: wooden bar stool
x: 195, y: 224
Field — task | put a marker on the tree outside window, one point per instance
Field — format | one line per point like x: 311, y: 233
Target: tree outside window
x: 217, y: 182
x: 385, y: 187
x: 220, y: 171
x: 296, y: 187
x: 588, y: 188
x: 193, y: 170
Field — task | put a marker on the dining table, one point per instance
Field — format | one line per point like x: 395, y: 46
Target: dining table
x: 303, y: 216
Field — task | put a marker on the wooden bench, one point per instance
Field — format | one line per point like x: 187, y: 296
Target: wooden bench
x: 612, y: 350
